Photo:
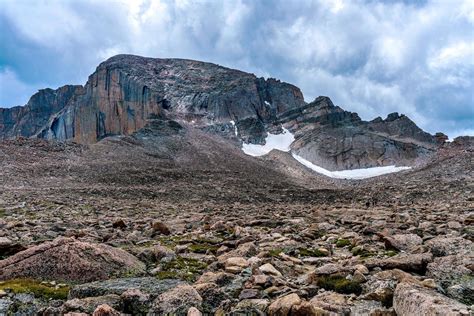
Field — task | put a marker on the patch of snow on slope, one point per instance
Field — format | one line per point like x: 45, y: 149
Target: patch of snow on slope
x: 235, y: 128
x: 350, y: 174
x: 267, y: 103
x: 280, y: 142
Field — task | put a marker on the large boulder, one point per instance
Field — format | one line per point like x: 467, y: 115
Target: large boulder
x: 70, y: 260
x: 452, y: 266
x: 405, y: 262
x: 445, y: 246
x: 176, y: 301
x: 455, y: 276
x: 405, y: 242
x: 410, y: 299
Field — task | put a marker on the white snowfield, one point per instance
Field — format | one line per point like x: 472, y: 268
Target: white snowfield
x: 355, y: 174
x: 283, y: 141
x: 280, y: 142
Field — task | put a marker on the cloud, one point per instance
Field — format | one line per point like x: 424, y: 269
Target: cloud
x: 372, y: 57
x: 9, y: 82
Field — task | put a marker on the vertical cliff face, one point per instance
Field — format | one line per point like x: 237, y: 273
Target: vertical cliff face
x: 126, y: 90
x: 8, y: 119
x: 30, y: 119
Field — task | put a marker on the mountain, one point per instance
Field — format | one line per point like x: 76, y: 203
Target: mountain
x: 126, y: 92
x: 138, y: 194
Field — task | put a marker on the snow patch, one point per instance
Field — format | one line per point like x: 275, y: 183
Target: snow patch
x: 356, y: 174
x: 272, y: 141
x: 235, y: 128
x: 268, y: 103
x: 283, y: 141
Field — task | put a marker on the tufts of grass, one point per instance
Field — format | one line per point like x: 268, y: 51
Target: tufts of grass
x: 391, y: 253
x: 173, y: 241
x: 361, y: 252
x: 203, y: 248
x: 275, y: 252
x: 342, y: 243
x: 34, y: 287
x: 309, y: 252
x: 187, y: 269
x: 339, y: 284
x: 167, y: 275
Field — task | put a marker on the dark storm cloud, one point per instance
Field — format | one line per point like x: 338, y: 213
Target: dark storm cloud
x: 372, y: 57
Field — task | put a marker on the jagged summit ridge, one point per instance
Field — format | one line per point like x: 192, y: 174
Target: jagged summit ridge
x: 126, y: 91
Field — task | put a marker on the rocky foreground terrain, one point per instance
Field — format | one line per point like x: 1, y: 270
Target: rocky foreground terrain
x: 170, y: 217
x: 122, y: 226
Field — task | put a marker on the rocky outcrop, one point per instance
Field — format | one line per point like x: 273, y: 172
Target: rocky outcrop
x: 66, y: 259
x: 336, y: 139
x: 30, y: 119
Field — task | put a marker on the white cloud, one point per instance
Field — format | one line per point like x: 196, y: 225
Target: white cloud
x: 454, y: 55
x: 13, y: 89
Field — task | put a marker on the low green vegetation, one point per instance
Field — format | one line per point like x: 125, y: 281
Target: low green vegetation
x: 203, y: 248
x: 173, y: 241
x: 187, y: 269
x: 275, y: 252
x: 342, y: 243
x: 300, y: 252
x: 38, y: 289
x: 339, y: 284
x: 311, y: 252
x: 361, y: 252
x: 391, y: 253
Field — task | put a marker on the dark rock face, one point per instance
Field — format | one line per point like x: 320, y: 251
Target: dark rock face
x: 336, y: 139
x: 128, y: 93
x: 28, y: 120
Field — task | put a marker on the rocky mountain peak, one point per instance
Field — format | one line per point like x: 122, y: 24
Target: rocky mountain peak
x: 127, y: 92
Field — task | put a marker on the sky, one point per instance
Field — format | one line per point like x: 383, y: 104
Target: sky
x: 370, y: 57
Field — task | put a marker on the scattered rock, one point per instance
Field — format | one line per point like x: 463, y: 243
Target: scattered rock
x: 120, y: 223
x: 193, y: 311
x: 159, y: 228
x: 89, y: 304
x: 105, y: 310
x: 267, y: 268
x: 283, y: 305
